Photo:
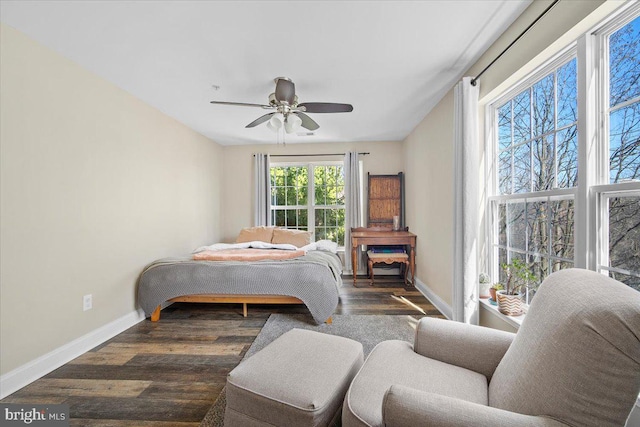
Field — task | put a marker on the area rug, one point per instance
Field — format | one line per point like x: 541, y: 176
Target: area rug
x: 367, y: 329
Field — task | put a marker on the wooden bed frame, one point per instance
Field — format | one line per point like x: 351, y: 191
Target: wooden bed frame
x: 233, y: 299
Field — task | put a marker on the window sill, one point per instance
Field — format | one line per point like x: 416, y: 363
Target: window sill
x: 514, y: 321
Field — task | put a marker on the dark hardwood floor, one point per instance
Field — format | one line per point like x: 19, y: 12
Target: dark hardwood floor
x: 169, y: 373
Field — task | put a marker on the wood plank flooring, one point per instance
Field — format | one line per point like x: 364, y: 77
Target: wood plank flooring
x: 169, y: 373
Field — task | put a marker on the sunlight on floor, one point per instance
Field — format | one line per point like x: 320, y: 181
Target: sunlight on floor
x: 409, y: 303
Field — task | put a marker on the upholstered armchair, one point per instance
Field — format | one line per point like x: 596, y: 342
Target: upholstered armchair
x: 574, y: 361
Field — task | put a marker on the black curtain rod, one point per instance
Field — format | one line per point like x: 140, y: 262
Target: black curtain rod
x: 312, y: 155
x: 475, y: 79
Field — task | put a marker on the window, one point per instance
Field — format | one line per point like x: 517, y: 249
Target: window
x: 537, y: 149
x: 309, y: 197
x: 536, y: 153
x: 619, y: 194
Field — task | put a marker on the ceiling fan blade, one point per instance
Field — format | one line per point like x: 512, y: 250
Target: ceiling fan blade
x: 307, y: 122
x: 241, y: 104
x: 326, y: 107
x: 285, y: 90
x: 260, y: 120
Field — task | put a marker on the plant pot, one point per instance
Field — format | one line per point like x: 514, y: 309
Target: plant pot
x: 492, y: 293
x: 484, y: 290
x: 511, y: 305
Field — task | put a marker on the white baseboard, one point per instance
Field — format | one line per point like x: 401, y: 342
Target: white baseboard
x: 37, y: 368
x: 438, y: 302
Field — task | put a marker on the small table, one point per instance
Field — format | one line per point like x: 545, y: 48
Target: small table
x: 383, y: 238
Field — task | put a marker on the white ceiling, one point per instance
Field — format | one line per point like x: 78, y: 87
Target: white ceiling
x: 392, y: 60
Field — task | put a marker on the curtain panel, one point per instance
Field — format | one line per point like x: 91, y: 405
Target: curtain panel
x: 262, y: 189
x: 466, y: 170
x: 352, y: 202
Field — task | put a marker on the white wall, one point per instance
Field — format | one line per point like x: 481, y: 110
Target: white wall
x: 384, y: 158
x: 95, y: 184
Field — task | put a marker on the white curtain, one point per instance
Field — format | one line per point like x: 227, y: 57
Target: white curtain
x: 262, y: 188
x: 465, y: 274
x: 352, y: 202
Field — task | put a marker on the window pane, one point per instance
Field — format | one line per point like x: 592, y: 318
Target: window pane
x: 517, y: 226
x: 502, y: 259
x: 522, y: 169
x: 624, y: 63
x: 302, y: 196
x: 538, y: 227
x: 292, y: 196
x: 567, y: 94
x: 539, y: 266
x: 303, y: 219
x: 633, y: 281
x: 504, y: 126
x: 624, y: 144
x: 543, y: 163
x: 502, y: 225
x: 321, y: 233
x: 279, y: 219
x: 277, y: 176
x: 562, y: 225
x: 522, y: 117
x: 567, y: 154
x: 624, y: 233
x: 543, y: 106
x: 280, y: 199
x: 340, y: 195
x: 504, y: 172
x: 557, y: 265
x: 292, y: 218
x: 320, y: 217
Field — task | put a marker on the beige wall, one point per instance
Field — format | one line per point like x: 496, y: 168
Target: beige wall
x: 428, y: 158
x: 429, y: 148
x: 95, y: 184
x: 384, y: 158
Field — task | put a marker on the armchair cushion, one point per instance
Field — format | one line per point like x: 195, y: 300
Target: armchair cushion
x: 395, y: 362
x: 408, y: 407
x: 576, y: 357
x: 473, y: 347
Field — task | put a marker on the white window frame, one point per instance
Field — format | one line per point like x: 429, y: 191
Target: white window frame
x: 591, y: 194
x: 310, y: 207
x: 603, y: 190
x: 492, y: 149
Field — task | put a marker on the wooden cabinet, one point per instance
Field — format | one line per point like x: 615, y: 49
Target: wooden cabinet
x: 385, y: 200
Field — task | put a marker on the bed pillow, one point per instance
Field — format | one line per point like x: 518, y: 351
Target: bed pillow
x: 251, y: 234
x: 297, y: 238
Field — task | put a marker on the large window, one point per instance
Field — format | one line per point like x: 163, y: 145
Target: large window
x: 536, y: 154
x: 619, y: 196
x: 309, y: 197
x: 537, y: 150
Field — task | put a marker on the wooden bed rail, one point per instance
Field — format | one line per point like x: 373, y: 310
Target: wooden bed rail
x: 233, y: 299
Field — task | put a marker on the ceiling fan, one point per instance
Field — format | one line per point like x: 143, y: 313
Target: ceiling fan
x: 288, y: 112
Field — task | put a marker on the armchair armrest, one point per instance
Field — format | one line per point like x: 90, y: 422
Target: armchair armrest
x: 472, y: 347
x: 408, y: 407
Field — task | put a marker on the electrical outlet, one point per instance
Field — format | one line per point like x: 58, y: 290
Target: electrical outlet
x: 87, y: 303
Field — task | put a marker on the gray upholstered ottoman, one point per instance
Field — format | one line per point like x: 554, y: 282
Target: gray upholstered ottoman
x: 300, y: 379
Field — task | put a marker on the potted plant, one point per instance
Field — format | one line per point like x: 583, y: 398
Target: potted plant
x: 493, y: 289
x: 518, y: 276
x: 484, y: 283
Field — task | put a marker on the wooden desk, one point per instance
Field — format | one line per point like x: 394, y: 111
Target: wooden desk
x: 383, y: 238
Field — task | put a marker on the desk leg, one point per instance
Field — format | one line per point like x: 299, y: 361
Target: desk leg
x: 412, y: 264
x: 354, y: 261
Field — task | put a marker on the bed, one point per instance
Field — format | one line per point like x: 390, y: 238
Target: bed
x: 312, y: 277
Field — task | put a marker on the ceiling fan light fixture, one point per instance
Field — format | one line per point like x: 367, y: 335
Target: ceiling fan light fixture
x: 275, y: 123
x: 292, y: 123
